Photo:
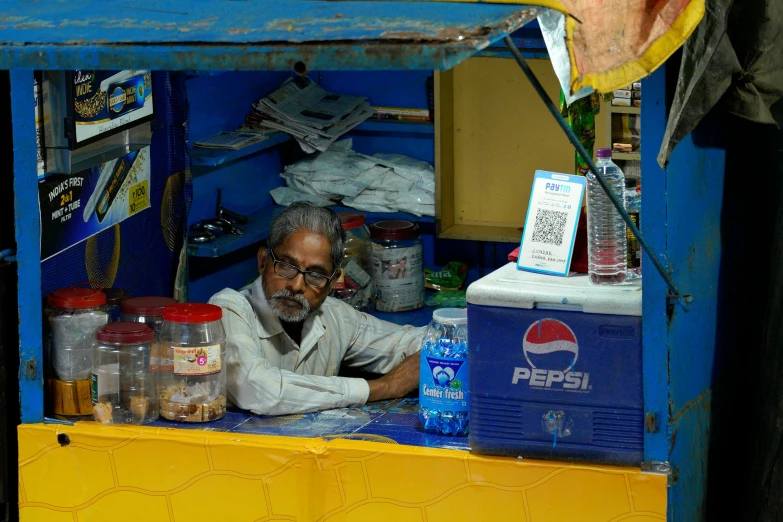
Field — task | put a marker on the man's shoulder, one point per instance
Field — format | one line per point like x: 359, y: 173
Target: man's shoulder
x: 232, y: 299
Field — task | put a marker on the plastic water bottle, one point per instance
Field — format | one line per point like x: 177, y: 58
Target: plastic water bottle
x: 633, y: 205
x: 443, y: 377
x: 606, y: 241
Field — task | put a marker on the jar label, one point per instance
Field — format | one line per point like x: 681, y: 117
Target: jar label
x: 196, y: 360
x: 399, y: 278
x: 443, y: 384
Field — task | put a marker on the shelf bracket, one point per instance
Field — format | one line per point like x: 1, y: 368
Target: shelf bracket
x: 665, y: 274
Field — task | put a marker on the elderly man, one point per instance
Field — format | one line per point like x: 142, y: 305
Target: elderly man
x: 286, y: 340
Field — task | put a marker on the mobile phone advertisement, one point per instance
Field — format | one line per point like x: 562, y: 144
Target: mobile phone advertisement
x: 77, y: 206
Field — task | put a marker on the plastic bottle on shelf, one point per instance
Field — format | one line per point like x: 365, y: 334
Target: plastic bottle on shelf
x: 443, y: 377
x: 606, y: 235
x: 633, y: 205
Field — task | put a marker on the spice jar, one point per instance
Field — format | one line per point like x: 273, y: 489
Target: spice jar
x: 355, y: 285
x: 193, y: 377
x: 397, y: 265
x: 74, y: 314
x: 114, y: 298
x: 124, y: 389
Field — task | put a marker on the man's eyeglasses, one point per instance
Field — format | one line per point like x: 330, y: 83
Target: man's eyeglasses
x: 289, y: 271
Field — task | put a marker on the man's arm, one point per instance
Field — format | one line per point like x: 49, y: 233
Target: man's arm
x: 253, y: 384
x: 379, y: 346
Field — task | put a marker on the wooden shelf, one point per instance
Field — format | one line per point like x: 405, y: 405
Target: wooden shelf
x: 632, y: 156
x: 625, y: 110
x: 205, y: 157
x: 258, y: 228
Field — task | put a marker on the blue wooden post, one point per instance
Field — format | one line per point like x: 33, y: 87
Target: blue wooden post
x: 654, y: 326
x: 28, y: 248
x: 681, y: 213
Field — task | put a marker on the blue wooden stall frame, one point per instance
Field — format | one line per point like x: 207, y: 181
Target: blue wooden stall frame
x: 333, y: 36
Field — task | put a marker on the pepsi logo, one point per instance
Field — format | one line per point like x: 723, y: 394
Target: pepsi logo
x: 550, y: 344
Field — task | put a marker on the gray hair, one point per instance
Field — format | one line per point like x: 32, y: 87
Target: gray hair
x: 303, y: 215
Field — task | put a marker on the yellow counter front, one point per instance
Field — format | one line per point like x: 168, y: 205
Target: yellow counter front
x: 154, y: 473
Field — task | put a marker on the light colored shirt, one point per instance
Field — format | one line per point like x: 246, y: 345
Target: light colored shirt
x: 269, y: 374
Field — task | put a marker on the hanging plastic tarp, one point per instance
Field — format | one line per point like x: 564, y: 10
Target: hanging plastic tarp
x: 734, y: 57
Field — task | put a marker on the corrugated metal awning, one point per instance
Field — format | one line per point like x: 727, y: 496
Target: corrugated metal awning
x: 250, y: 35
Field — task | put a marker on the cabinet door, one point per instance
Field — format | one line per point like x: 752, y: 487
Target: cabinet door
x: 492, y: 133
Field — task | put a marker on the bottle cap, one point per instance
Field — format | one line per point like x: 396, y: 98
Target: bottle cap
x: 351, y: 220
x: 148, y: 305
x: 77, y: 297
x: 115, y: 296
x: 450, y: 315
x: 630, y: 183
x: 192, y: 313
x: 604, y: 153
x: 394, y: 229
x: 125, y: 333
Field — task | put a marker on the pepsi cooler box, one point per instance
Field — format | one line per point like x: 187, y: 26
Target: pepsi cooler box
x: 555, y: 368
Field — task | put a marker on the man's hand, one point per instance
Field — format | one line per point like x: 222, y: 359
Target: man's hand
x: 399, y: 382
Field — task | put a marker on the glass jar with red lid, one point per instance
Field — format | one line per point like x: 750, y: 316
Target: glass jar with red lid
x: 124, y: 388
x: 74, y: 314
x: 192, y: 373
x: 398, y: 265
x: 355, y: 286
x: 148, y: 310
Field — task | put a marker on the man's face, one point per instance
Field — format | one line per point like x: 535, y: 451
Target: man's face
x: 293, y: 300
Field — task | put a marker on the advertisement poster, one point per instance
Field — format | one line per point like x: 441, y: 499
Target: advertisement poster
x: 76, y: 206
x: 550, y: 227
x: 106, y: 100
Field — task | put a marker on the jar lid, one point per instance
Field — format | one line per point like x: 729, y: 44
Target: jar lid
x: 75, y: 297
x: 191, y: 313
x: 115, y: 296
x: 394, y: 229
x: 148, y: 305
x: 450, y: 315
x: 351, y: 220
x: 125, y: 333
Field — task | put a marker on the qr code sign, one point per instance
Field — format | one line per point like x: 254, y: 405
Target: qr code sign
x: 549, y: 227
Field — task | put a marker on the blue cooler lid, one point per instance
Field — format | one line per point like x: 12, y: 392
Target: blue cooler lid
x: 513, y: 288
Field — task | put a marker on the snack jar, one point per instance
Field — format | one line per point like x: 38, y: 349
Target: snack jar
x: 124, y: 389
x: 74, y: 314
x: 356, y: 286
x: 192, y: 376
x: 148, y: 310
x: 398, y: 266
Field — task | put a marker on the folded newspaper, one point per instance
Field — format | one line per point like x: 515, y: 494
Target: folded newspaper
x: 379, y: 183
x: 314, y: 117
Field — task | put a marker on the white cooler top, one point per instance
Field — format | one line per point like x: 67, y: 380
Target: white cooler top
x: 512, y: 288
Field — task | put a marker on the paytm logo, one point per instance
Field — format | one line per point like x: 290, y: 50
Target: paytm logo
x: 551, y: 349
x: 558, y: 187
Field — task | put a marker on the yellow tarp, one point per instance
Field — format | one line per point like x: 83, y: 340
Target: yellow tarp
x: 157, y: 474
x: 613, y: 44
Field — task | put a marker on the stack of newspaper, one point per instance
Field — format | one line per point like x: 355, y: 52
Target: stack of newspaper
x: 313, y: 116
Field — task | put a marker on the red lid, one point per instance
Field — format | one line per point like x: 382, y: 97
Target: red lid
x: 115, y: 296
x: 351, y: 220
x: 394, y: 229
x: 75, y: 297
x: 190, y: 313
x: 149, y: 305
x: 125, y: 333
